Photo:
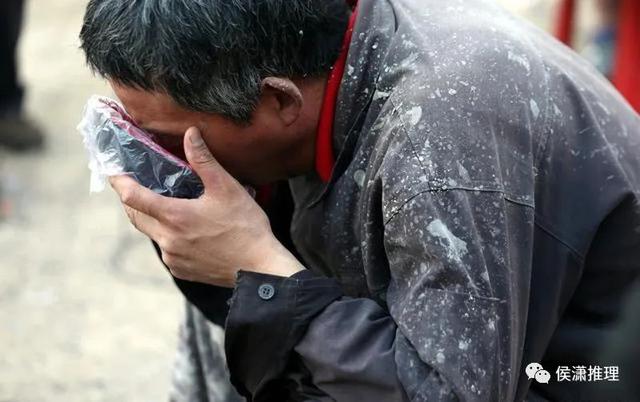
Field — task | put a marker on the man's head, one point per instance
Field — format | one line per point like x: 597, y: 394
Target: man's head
x: 249, y: 73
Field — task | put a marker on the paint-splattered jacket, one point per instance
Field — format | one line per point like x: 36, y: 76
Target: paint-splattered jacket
x: 483, y: 214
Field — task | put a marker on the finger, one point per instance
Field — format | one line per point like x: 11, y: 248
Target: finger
x: 140, y: 198
x: 144, y: 223
x: 202, y: 161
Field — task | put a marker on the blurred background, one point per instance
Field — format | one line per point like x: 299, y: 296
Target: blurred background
x: 87, y: 313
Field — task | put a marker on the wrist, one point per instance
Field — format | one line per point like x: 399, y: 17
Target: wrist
x: 278, y: 261
x: 283, y: 263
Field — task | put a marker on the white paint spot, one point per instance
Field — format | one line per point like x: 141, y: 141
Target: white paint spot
x: 464, y: 174
x: 408, y: 44
x: 521, y: 60
x: 350, y: 70
x: 603, y: 107
x: 534, y: 108
x: 415, y: 114
x: 440, y: 357
x: 462, y: 345
x: 380, y: 95
x: 452, y: 91
x: 410, y: 61
x: 358, y: 177
x: 456, y: 248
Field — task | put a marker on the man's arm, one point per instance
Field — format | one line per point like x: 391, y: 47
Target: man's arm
x: 266, y: 333
x: 453, y: 330
x: 458, y: 291
x: 212, y: 300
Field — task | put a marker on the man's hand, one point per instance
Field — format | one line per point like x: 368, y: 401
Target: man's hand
x: 211, y: 238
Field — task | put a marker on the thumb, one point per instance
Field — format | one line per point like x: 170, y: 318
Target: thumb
x: 201, y: 159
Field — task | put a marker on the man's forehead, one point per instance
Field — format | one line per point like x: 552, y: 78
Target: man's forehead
x: 146, y: 106
x: 157, y: 112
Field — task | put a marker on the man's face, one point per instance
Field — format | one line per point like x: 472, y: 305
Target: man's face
x: 255, y: 154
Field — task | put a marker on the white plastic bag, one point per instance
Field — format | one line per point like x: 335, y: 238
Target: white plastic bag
x: 117, y: 146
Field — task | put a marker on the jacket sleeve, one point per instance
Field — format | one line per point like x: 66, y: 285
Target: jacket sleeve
x: 212, y: 301
x: 452, y: 330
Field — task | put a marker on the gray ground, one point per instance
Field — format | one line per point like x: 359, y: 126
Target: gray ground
x: 86, y: 311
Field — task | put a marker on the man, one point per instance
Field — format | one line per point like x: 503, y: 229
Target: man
x: 465, y: 189
x: 16, y: 132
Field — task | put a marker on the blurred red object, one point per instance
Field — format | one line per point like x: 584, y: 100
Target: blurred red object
x: 627, y: 53
x: 627, y: 63
x: 566, y: 20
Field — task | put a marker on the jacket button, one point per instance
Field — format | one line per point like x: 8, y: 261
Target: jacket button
x: 266, y: 291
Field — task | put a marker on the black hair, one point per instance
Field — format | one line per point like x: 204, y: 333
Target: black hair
x: 211, y: 55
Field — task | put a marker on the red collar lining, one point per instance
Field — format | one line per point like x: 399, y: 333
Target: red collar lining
x: 324, y: 140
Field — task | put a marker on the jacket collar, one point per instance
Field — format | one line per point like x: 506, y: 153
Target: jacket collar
x: 324, y: 140
x: 373, y: 29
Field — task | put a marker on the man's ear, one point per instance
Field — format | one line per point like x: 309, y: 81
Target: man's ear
x: 287, y: 96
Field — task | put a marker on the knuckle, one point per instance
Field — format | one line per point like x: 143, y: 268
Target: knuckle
x: 133, y: 216
x: 170, y: 261
x: 176, y: 218
x: 163, y: 242
x: 263, y: 219
x: 170, y: 245
x: 127, y: 196
x: 134, y: 220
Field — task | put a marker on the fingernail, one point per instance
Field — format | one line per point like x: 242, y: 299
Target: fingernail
x: 195, y: 138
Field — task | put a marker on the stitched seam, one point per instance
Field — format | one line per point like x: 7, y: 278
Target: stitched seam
x: 543, y: 227
x: 548, y: 231
x: 504, y: 195
x: 507, y: 195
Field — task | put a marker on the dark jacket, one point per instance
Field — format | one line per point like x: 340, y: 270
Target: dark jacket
x: 483, y: 214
